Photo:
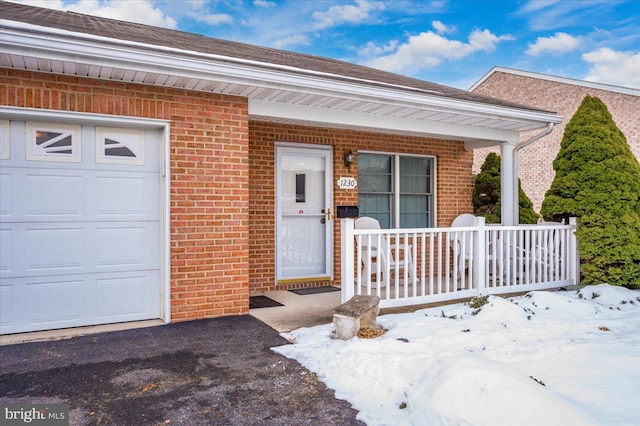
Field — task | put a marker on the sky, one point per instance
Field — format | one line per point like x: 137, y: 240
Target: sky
x: 451, y: 42
x: 545, y: 358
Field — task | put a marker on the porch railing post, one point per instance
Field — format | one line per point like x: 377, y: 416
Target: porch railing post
x: 346, y: 259
x: 574, y: 262
x: 479, y: 255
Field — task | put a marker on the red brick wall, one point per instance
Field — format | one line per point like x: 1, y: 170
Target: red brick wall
x: 536, y: 161
x: 209, y: 178
x: 454, y: 183
x: 222, y: 212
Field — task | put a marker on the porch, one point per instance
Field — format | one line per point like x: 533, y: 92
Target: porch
x: 416, y: 266
x: 441, y: 266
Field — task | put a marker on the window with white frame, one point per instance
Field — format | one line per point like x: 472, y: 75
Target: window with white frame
x: 119, y: 146
x: 53, y: 142
x: 397, y: 190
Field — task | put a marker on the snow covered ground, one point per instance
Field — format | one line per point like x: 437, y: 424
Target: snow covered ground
x: 546, y: 358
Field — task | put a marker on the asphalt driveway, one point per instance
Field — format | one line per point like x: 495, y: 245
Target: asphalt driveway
x: 208, y: 372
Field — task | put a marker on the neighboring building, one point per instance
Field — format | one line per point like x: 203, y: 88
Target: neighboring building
x: 562, y: 95
x: 150, y: 173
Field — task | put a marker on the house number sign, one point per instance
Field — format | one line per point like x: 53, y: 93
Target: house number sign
x: 347, y: 183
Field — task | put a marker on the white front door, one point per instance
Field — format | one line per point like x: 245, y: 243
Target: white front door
x: 304, y: 222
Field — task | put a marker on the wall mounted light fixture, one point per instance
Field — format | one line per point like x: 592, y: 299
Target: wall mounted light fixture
x: 349, y: 158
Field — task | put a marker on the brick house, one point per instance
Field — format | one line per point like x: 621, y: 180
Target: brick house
x: 562, y: 95
x: 150, y: 173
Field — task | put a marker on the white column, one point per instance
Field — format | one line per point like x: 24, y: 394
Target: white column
x: 516, y: 193
x: 508, y: 184
x: 346, y: 258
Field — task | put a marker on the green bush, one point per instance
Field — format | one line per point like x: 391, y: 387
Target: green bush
x: 598, y: 180
x: 486, y: 194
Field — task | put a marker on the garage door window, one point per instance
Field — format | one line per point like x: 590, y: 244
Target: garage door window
x: 53, y: 142
x: 119, y: 146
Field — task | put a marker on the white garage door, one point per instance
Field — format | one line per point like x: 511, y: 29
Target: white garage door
x: 80, y: 225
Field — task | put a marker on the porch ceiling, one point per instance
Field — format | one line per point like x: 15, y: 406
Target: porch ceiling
x: 276, y: 94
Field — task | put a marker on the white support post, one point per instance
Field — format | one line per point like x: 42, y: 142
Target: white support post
x: 509, y: 205
x: 479, y: 256
x: 574, y: 262
x: 515, y: 189
x: 346, y: 259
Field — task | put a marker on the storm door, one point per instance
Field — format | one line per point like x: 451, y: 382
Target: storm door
x: 304, y: 222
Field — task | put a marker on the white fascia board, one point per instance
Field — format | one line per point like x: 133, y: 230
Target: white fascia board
x: 374, y: 122
x: 483, y: 78
x: 151, y: 58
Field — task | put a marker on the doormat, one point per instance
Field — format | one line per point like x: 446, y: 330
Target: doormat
x: 314, y: 290
x: 256, y: 302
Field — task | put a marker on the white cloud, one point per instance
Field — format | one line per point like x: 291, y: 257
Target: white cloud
x: 545, y: 15
x: 557, y: 44
x: 199, y: 13
x: 537, y: 5
x: 211, y: 18
x: 441, y: 28
x: 604, y: 33
x: 141, y: 11
x: 263, y: 3
x: 613, y: 67
x: 349, y: 13
x: 197, y: 4
x: 371, y: 49
x: 428, y: 49
x: 292, y: 40
x: 484, y: 40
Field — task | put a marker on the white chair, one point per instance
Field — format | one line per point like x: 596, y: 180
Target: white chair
x: 377, y: 248
x: 462, y: 241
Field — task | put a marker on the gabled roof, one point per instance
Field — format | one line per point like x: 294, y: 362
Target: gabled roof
x: 281, y: 86
x: 557, y: 79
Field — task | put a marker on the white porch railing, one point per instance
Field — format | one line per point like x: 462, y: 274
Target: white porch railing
x: 414, y: 266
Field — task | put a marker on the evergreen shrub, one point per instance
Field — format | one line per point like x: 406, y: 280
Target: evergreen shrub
x: 486, y: 194
x: 598, y: 180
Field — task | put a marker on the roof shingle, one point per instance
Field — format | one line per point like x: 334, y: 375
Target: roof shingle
x: 194, y: 43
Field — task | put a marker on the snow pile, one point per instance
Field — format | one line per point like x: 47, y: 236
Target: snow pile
x: 552, y: 358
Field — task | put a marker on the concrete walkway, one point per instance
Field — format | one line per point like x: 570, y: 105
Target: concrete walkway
x: 298, y: 311
x: 314, y: 309
x: 209, y: 372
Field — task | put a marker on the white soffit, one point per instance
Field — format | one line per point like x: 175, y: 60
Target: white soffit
x: 277, y: 94
x: 315, y: 116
